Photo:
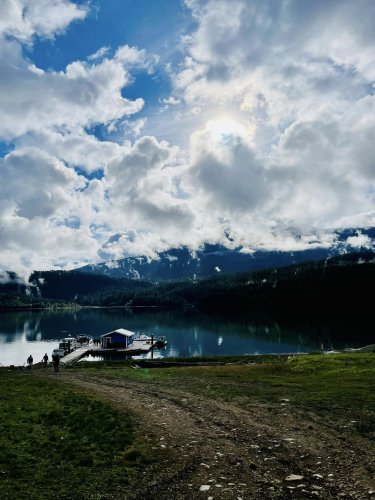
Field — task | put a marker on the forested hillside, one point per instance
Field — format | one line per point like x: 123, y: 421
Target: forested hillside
x: 13, y: 291
x: 73, y: 285
x: 339, y: 284
x: 58, y: 287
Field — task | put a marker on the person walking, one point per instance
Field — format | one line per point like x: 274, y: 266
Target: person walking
x: 30, y: 362
x: 45, y: 360
x: 56, y: 361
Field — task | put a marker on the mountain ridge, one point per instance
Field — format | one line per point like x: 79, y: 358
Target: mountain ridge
x: 182, y: 263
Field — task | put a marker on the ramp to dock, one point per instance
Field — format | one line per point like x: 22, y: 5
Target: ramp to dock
x: 77, y: 354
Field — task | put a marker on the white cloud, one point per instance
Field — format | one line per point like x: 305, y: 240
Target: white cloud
x: 82, y: 95
x: 134, y: 126
x: 74, y: 147
x: 276, y: 60
x: 225, y: 169
x: 135, y: 57
x: 98, y: 54
x: 41, y: 202
x: 142, y: 186
x: 43, y: 244
x: 238, y: 35
x: 360, y: 241
x: 24, y: 19
x: 277, y: 99
x: 299, y: 76
x: 171, y: 101
x: 35, y: 184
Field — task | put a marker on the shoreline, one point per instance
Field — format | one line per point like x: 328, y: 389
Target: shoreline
x: 213, y: 360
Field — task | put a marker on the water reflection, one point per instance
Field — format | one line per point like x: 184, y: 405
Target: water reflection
x: 188, y: 333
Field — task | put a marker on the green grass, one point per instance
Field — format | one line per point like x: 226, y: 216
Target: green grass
x: 58, y: 443
x: 337, y: 387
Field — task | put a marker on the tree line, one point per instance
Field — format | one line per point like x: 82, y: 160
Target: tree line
x: 338, y: 285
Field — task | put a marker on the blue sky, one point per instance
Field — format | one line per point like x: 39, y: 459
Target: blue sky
x: 131, y: 127
x: 155, y: 26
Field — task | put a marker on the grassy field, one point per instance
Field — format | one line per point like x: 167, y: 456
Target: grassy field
x: 61, y: 442
x: 56, y: 442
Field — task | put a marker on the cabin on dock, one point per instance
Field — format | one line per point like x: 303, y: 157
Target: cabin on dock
x: 118, y: 339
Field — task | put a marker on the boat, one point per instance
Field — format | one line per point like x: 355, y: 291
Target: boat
x: 143, y: 338
x: 158, y: 342
x: 161, y: 341
x: 84, y: 339
x: 68, y: 344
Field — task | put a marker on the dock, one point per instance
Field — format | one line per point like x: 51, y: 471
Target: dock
x: 77, y: 354
x: 137, y: 347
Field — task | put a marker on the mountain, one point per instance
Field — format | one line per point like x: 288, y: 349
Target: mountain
x: 131, y: 280
x: 181, y: 263
x: 14, y: 292
x: 335, y: 287
x: 72, y: 285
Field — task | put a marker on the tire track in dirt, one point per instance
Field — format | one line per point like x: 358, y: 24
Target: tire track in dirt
x: 234, y: 452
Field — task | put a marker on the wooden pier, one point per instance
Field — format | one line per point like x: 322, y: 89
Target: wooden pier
x: 77, y: 354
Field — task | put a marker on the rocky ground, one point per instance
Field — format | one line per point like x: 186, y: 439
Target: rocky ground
x: 210, y: 449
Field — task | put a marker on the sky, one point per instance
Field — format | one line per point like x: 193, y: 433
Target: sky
x: 128, y: 127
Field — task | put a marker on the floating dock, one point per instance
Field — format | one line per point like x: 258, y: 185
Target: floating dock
x: 139, y: 346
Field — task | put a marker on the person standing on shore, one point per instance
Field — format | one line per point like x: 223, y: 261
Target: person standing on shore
x: 30, y: 362
x: 45, y: 360
x: 56, y: 362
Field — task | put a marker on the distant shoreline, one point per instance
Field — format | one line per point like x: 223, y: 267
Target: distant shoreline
x: 53, y: 308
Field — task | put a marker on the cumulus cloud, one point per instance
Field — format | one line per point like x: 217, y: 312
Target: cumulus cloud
x: 83, y: 95
x: 49, y: 215
x: 271, y: 111
x: 226, y: 170
x: 142, y: 185
x: 233, y: 37
x: 326, y: 165
x: 35, y: 184
x: 24, y: 19
x: 74, y: 147
x: 299, y: 75
x: 44, y: 244
x: 135, y: 57
x: 276, y: 60
x: 38, y: 213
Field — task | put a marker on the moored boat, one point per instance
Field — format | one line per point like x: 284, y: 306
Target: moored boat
x: 84, y: 339
x: 161, y: 341
x: 144, y: 338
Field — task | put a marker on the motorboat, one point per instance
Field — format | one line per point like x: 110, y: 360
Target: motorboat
x: 161, y: 341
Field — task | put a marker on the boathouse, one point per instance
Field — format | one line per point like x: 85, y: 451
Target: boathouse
x: 118, y: 339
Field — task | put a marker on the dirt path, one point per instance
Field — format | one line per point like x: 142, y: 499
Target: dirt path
x: 210, y: 449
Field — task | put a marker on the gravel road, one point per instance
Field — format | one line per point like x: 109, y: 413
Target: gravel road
x: 211, y: 449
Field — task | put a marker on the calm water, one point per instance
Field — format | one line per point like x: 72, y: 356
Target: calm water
x: 189, y: 334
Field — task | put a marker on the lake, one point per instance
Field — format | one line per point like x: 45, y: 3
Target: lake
x: 189, y: 333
